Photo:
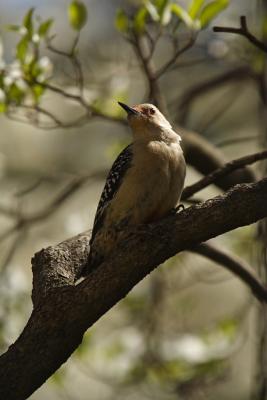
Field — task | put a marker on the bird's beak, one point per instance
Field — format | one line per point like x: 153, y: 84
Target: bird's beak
x: 128, y: 109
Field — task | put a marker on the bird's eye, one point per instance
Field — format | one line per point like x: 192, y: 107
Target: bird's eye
x: 151, y: 111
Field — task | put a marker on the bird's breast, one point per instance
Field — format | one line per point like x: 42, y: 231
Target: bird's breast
x: 152, y: 185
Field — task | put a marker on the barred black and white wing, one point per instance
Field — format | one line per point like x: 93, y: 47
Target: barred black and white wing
x: 113, y: 182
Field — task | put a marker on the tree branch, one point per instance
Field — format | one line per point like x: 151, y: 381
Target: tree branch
x: 243, y: 31
x: 235, y: 265
x: 198, y: 151
x: 155, y: 94
x: 233, y: 75
x: 221, y: 172
x: 236, y: 140
x: 72, y: 56
x: 206, y: 158
x: 63, y: 311
x: 165, y: 68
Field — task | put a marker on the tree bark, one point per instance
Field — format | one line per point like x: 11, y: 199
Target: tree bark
x: 64, y: 310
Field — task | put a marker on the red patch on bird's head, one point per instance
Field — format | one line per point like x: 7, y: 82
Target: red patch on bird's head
x: 144, y: 109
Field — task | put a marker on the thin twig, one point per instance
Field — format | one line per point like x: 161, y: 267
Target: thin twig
x: 9, y: 232
x: 153, y: 44
x: 30, y: 188
x: 23, y: 221
x: 235, y: 265
x: 90, y: 111
x: 148, y: 67
x: 221, y: 172
x: 236, y: 74
x: 110, y: 118
x: 223, y: 103
x: 176, y: 55
x: 71, y: 187
x: 243, y: 31
x: 238, y: 140
x: 77, y: 65
x: 63, y: 93
x: 8, y: 211
x: 72, y: 56
x: 188, y: 63
x: 40, y: 110
x: 45, y: 126
x: 67, y: 191
x: 11, y: 251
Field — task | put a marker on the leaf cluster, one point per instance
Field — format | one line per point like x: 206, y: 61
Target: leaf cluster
x: 23, y: 82
x: 197, y: 16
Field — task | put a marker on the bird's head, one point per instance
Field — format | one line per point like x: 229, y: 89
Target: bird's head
x: 145, y: 118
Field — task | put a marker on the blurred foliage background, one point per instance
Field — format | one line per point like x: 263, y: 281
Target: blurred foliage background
x: 191, y: 329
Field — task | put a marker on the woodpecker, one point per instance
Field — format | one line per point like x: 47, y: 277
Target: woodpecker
x: 144, y: 184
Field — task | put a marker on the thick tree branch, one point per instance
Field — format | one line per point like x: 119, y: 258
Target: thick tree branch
x: 63, y: 311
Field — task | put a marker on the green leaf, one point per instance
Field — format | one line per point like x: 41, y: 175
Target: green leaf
x: 44, y: 27
x: 22, y: 48
x: 121, y: 21
x: 140, y: 19
x: 34, y: 69
x: 195, y: 7
x: 37, y: 91
x: 153, y: 12
x: 27, y: 21
x: 211, y: 11
x: 161, y: 5
x: 77, y: 12
x: 166, y: 16
x: 15, y: 94
x: 182, y: 14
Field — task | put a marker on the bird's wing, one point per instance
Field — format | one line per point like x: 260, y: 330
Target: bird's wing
x: 113, y: 182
